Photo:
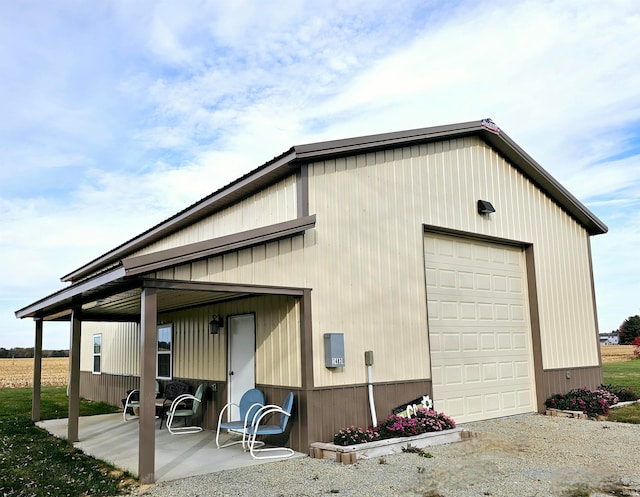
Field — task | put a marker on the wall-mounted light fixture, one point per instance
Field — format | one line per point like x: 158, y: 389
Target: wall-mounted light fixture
x: 216, y: 324
x: 485, y: 208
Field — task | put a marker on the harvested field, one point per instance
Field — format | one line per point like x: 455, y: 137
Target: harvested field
x: 616, y: 353
x: 18, y: 373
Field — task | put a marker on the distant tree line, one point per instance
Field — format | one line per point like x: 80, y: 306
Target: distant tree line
x: 27, y: 352
x: 629, y: 330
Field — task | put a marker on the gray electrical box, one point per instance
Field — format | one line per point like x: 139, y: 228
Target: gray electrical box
x: 368, y: 358
x: 334, y: 350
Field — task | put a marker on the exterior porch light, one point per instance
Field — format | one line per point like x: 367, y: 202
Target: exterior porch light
x: 485, y: 208
x: 216, y: 324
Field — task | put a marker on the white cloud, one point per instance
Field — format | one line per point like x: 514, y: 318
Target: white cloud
x: 145, y: 108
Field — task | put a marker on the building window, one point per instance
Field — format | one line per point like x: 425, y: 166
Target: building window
x: 97, y: 354
x: 165, y: 352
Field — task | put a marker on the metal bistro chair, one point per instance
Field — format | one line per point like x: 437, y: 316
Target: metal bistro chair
x: 250, y: 402
x: 258, y: 429
x: 133, y: 400
x: 178, y: 409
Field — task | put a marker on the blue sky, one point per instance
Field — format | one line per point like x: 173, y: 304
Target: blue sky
x: 116, y: 115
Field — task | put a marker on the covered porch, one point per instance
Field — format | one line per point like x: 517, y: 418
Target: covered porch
x: 109, y: 438
x: 115, y: 297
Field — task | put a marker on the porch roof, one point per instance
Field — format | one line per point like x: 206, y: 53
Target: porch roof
x: 114, y: 294
x: 118, y: 298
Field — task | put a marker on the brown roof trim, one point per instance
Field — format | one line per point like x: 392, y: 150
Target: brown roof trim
x: 216, y: 246
x: 67, y: 295
x: 547, y: 183
x: 280, y: 166
x: 351, y: 146
x: 240, y: 188
x: 497, y: 139
x: 206, y: 286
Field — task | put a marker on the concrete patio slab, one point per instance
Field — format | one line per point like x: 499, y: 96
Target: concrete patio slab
x: 111, y: 439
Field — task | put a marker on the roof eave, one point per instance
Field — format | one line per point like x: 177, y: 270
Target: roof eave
x: 497, y: 139
x: 547, y: 183
x: 265, y: 174
x: 70, y: 296
x: 280, y: 166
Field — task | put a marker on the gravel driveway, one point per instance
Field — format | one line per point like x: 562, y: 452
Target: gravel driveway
x: 529, y: 455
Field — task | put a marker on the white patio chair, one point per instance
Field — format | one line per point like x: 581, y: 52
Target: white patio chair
x: 133, y: 400
x: 178, y: 410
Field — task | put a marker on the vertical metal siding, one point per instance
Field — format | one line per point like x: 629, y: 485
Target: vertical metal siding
x: 366, y: 282
x: 120, y: 347
x: 365, y: 265
x: 274, y: 204
x: 370, y: 209
x: 197, y: 354
x: 364, y: 258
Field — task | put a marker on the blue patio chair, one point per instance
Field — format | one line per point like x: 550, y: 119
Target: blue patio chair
x: 250, y: 402
x: 133, y: 400
x: 258, y: 429
x: 179, y: 408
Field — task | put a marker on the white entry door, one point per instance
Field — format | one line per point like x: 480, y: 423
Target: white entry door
x: 242, y: 348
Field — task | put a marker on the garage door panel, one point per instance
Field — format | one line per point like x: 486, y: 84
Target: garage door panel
x: 482, y: 309
x: 525, y: 399
x: 504, y: 341
x: 470, y: 342
x: 451, y: 343
x: 506, y: 371
x: 508, y: 400
x: 479, y: 328
x: 472, y: 373
x: 491, y: 404
x: 501, y: 312
x: 489, y: 372
x: 474, y: 404
x: 521, y: 369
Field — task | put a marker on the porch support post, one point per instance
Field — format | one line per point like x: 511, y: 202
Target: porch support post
x: 37, y: 373
x: 306, y: 410
x: 306, y: 341
x: 74, y: 377
x: 148, y: 344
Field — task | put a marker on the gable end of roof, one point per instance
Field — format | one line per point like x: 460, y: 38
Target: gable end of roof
x: 281, y: 166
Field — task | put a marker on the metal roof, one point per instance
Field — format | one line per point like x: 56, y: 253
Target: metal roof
x: 281, y: 166
x: 107, y: 278
x: 114, y: 294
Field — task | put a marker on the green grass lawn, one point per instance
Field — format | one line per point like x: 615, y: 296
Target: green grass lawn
x: 625, y: 374
x: 34, y: 463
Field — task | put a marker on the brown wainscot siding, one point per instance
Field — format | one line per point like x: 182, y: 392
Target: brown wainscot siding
x: 317, y: 414
x: 565, y: 379
x: 330, y: 409
x: 112, y: 389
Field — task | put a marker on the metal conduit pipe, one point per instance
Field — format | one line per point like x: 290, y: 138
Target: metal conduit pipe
x: 368, y: 360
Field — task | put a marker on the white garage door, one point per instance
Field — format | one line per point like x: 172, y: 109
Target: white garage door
x: 479, y: 328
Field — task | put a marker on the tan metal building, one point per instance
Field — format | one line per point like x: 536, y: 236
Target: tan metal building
x: 447, y: 251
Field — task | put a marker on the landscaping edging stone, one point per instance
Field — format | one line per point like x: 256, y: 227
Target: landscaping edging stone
x: 564, y: 413
x: 349, y: 454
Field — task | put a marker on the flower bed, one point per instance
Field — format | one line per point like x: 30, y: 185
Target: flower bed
x: 421, y: 428
x: 585, y: 403
x: 422, y: 420
x: 593, y: 403
x: 348, y: 454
